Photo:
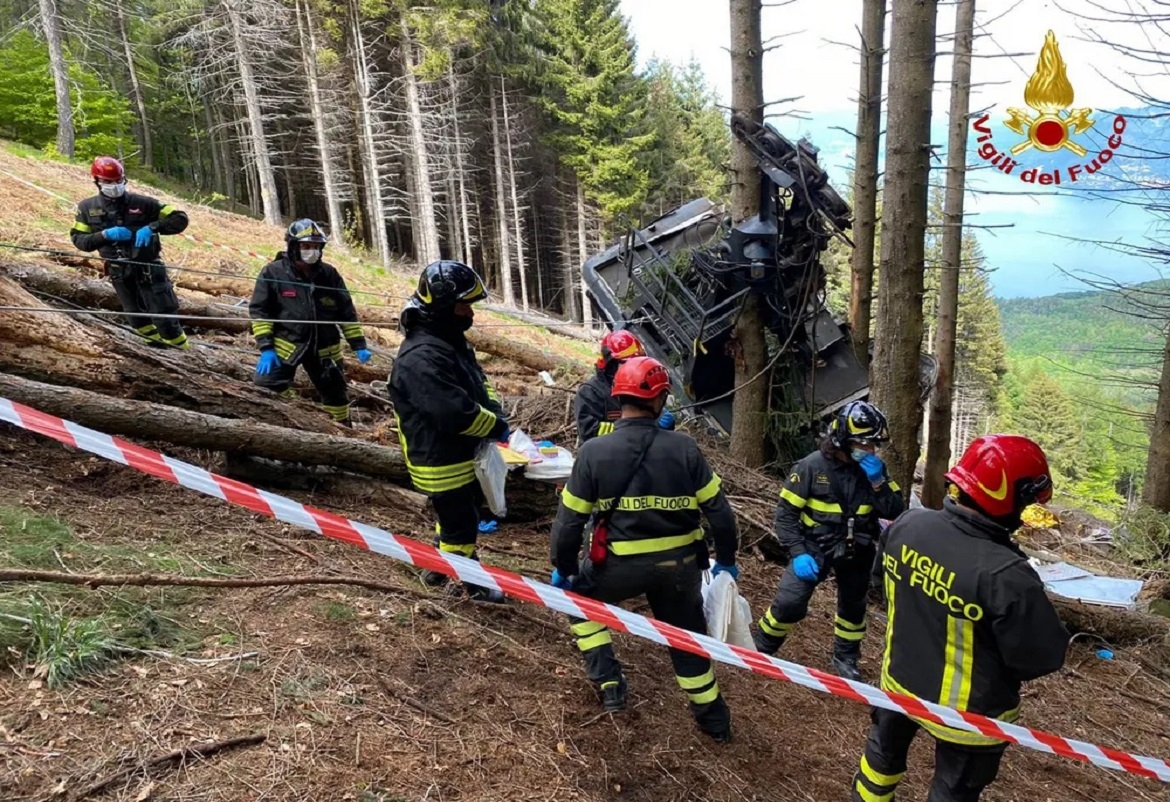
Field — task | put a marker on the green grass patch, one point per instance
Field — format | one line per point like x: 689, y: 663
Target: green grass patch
x: 339, y: 611
x: 64, y: 631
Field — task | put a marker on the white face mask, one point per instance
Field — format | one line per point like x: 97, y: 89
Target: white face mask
x: 310, y: 257
x: 113, y: 190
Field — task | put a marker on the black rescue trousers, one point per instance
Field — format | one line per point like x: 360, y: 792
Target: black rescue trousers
x: 457, y: 530
x: 960, y: 772
x: 792, y: 597
x: 327, y: 376
x: 147, y: 288
x: 671, y: 582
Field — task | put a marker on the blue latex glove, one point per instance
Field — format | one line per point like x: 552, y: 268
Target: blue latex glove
x: 118, y: 234
x: 507, y: 433
x: 562, y: 582
x: 268, y: 361
x: 874, y: 468
x: 666, y: 420
x: 142, y: 237
x: 488, y: 527
x: 363, y: 355
x: 719, y: 568
x: 805, y: 567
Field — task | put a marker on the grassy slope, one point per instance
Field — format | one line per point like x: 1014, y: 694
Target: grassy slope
x: 40, y: 216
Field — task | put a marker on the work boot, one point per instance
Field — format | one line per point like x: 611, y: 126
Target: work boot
x: 481, y: 593
x: 433, y: 578
x: 714, y: 719
x: 613, y: 695
x: 765, y: 643
x: 846, y: 666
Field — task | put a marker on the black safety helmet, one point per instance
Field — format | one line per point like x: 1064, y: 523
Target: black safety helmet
x: 445, y: 283
x: 859, y: 421
x: 303, y: 230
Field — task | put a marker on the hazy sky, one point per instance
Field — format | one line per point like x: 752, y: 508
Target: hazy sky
x: 815, y: 60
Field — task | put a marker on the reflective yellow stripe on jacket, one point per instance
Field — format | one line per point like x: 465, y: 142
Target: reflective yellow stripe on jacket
x: 438, y: 478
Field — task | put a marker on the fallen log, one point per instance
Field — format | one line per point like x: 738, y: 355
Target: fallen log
x: 182, y: 427
x: 1119, y: 627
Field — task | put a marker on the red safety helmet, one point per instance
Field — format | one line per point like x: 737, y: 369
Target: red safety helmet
x: 107, y: 168
x: 619, y: 345
x: 1003, y: 474
x: 641, y: 377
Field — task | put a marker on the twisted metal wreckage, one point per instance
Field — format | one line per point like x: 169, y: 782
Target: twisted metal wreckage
x: 680, y: 284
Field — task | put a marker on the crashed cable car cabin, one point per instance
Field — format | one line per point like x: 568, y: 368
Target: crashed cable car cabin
x: 680, y: 282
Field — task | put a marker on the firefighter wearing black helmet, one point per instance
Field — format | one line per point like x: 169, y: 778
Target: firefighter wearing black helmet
x: 298, y: 304
x: 827, y: 518
x: 445, y: 406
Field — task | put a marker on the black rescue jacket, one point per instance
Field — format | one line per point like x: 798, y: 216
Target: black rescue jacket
x: 96, y: 214
x: 660, y: 511
x: 444, y: 406
x: 968, y: 617
x: 282, y: 294
x: 810, y: 517
x: 596, y: 409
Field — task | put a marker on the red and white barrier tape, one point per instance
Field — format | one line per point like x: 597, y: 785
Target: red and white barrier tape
x: 425, y: 556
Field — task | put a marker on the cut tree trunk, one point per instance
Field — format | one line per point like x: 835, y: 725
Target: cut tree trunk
x: 151, y: 421
x: 938, y: 434
x: 898, y: 344
x: 57, y: 348
x: 865, y: 186
x: 749, y: 405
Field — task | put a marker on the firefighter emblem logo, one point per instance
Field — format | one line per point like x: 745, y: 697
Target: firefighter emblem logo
x: 1051, y: 95
x: 1054, y: 124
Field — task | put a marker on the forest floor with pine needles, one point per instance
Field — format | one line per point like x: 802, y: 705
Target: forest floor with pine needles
x: 392, y: 690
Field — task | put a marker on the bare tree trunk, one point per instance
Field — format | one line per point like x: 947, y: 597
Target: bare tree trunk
x: 461, y: 178
x: 426, y: 235
x: 898, y: 345
x: 568, y: 282
x: 536, y: 259
x: 268, y: 197
x: 377, y: 210
x: 582, y: 249
x: 1156, y: 491
x: 938, y: 450
x: 52, y: 26
x: 135, y: 90
x: 749, y: 404
x: 505, y: 261
x: 516, y: 218
x: 317, y: 109
x: 865, y: 174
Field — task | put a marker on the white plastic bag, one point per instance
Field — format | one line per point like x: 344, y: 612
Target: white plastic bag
x: 521, y: 443
x: 492, y: 473
x: 552, y: 469
x: 728, y: 614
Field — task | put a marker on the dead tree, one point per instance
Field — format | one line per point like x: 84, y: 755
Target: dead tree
x: 749, y: 407
x: 904, y: 209
x: 320, y: 126
x: 504, y: 248
x: 51, y: 24
x: 865, y: 173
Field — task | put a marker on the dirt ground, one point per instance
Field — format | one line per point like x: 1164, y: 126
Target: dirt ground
x: 424, y: 695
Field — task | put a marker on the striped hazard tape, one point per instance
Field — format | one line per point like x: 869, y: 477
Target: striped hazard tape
x: 425, y: 556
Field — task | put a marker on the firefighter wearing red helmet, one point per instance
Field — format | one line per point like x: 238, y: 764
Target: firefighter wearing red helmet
x: 645, y: 489
x: 595, y: 405
x: 968, y: 619
x: 124, y: 228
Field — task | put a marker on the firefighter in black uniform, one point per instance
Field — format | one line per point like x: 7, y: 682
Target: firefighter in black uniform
x: 124, y: 228
x: 290, y: 293
x: 595, y: 406
x: 827, y: 518
x: 648, y: 487
x: 968, y: 619
x: 445, y: 406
